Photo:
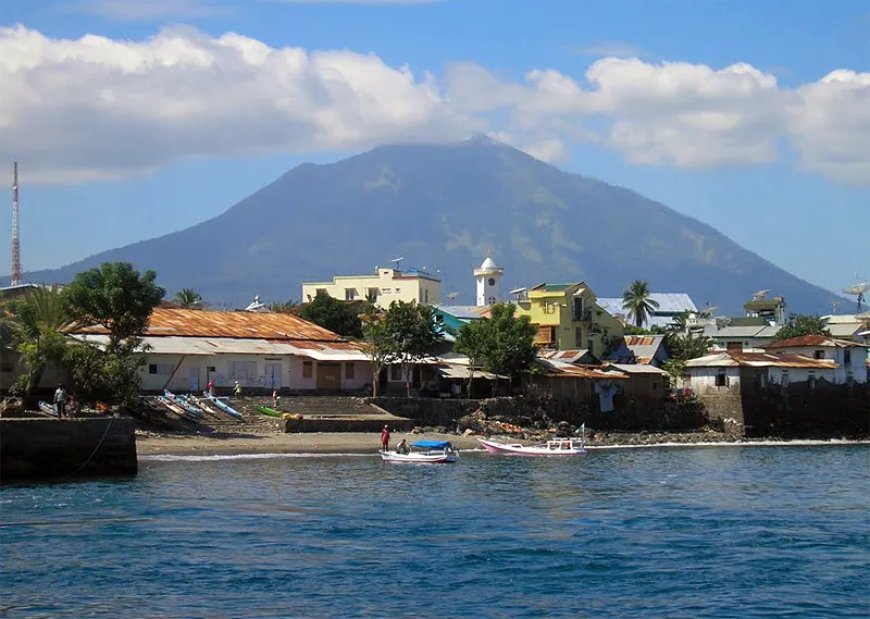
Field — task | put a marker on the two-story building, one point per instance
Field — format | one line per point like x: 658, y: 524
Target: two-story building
x: 382, y: 288
x: 568, y: 317
x: 850, y: 357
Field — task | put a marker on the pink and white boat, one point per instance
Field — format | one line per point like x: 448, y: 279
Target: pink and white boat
x: 554, y: 447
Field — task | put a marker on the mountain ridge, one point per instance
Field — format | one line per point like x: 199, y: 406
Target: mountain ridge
x: 445, y: 207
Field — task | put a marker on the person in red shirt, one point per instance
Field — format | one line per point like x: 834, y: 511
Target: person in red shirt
x: 385, y: 438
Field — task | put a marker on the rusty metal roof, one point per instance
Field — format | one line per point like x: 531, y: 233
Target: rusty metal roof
x: 813, y: 340
x: 206, y: 323
x: 760, y: 360
x: 561, y: 369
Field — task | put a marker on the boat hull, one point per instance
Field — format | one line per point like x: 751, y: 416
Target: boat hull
x: 516, y: 449
x: 419, y: 458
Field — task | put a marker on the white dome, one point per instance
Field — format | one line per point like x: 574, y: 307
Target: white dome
x: 489, y: 263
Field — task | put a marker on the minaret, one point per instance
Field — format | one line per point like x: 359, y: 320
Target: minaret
x: 488, y: 277
x: 16, y: 247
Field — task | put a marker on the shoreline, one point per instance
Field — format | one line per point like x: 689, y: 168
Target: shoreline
x: 149, y: 445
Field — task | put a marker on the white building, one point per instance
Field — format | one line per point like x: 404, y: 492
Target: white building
x: 726, y: 371
x: 185, y: 349
x: 488, y: 278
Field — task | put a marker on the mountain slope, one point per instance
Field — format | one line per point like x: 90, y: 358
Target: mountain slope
x: 445, y: 207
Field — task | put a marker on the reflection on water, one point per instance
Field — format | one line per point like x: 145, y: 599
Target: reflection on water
x: 676, y: 532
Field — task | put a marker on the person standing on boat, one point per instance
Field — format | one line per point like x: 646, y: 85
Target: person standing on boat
x: 60, y: 400
x: 385, y: 438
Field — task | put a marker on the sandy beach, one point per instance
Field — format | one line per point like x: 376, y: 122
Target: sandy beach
x: 149, y: 444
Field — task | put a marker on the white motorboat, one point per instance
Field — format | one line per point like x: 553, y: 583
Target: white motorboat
x: 553, y: 447
x: 423, y: 451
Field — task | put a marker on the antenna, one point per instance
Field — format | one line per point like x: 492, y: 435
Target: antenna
x: 759, y: 295
x: 398, y: 262
x: 858, y: 290
x: 16, y: 247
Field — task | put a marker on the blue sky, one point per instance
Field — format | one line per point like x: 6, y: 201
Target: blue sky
x: 132, y: 119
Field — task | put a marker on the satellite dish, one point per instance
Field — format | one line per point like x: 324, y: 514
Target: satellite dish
x: 759, y: 294
x: 398, y: 262
x: 708, y: 311
x: 452, y: 295
x: 857, y: 288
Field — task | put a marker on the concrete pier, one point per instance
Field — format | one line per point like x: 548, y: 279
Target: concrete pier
x: 56, y: 449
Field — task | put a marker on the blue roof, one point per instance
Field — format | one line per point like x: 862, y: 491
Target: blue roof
x: 431, y: 444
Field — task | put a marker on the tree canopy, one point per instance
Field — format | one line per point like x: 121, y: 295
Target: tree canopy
x: 801, y: 324
x: 187, y: 298
x: 115, y: 296
x: 636, y: 299
x: 330, y: 313
x: 502, y: 344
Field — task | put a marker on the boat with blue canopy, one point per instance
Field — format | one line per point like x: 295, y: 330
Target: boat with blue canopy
x: 422, y: 451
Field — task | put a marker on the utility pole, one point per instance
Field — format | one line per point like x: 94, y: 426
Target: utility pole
x: 16, y: 245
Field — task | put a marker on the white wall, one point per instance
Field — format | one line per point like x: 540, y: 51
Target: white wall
x: 703, y: 380
x: 856, y: 366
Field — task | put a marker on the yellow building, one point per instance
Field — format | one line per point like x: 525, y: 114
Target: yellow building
x: 382, y: 288
x: 569, y: 318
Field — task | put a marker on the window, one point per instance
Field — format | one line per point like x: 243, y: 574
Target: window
x: 549, y: 308
x: 847, y: 357
x: 349, y: 371
x: 426, y: 296
x: 578, y: 308
x: 210, y: 368
x: 349, y: 294
x: 396, y: 373
x: 819, y: 354
x: 721, y: 378
x: 372, y: 295
x: 578, y: 337
x: 320, y: 291
x: 161, y: 369
x: 307, y: 369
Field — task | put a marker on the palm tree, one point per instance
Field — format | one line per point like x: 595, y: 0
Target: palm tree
x: 188, y: 298
x: 638, y: 302
x: 36, y: 323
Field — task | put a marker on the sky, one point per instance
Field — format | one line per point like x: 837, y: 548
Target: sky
x: 131, y: 119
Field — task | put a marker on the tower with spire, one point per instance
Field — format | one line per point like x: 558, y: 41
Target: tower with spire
x: 488, y: 276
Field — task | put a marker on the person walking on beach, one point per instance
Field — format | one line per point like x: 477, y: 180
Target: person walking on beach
x: 385, y: 438
x: 60, y: 400
x: 211, y: 387
x: 237, y: 390
x: 275, y: 398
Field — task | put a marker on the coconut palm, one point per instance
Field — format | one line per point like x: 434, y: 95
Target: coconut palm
x: 638, y: 302
x: 188, y: 298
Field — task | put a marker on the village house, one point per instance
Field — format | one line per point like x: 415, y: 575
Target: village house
x: 382, y: 288
x: 184, y: 349
x: 850, y: 357
x: 568, y: 317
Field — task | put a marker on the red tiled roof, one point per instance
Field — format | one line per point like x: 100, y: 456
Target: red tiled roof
x: 205, y: 323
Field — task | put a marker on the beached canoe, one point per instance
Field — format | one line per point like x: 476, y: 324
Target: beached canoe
x: 269, y: 412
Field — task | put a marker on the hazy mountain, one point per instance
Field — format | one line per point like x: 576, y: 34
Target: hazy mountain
x: 444, y: 207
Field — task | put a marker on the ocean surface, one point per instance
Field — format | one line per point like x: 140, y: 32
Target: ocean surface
x: 663, y: 532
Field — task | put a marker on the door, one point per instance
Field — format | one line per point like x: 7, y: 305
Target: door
x: 273, y: 375
x: 193, y: 379
x: 329, y: 376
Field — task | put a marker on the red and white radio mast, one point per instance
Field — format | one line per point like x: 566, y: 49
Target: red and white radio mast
x: 16, y: 246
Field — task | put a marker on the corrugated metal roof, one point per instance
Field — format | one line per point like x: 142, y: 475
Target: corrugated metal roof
x: 669, y: 302
x: 632, y: 368
x: 563, y: 369
x: 844, y: 329
x: 569, y: 356
x: 175, y: 345
x: 813, y: 340
x: 468, y: 312
x: 760, y: 359
x: 463, y: 372
x: 205, y: 323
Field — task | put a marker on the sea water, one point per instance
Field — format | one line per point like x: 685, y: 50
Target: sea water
x: 676, y: 532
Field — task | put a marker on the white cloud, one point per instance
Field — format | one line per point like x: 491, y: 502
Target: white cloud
x: 98, y: 108
x: 101, y: 108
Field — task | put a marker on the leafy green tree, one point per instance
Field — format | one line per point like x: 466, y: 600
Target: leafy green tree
x: 682, y: 346
x: 636, y: 299
x: 283, y: 307
x: 801, y: 324
x: 471, y: 341
x: 187, y: 298
x: 412, y: 328
x: 378, y: 344
x: 35, y: 326
x: 502, y: 343
x: 113, y: 296
x: 118, y: 298
x: 338, y: 316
